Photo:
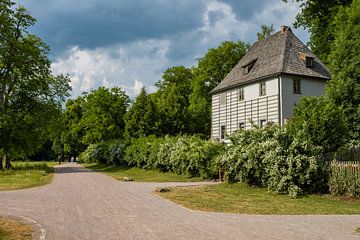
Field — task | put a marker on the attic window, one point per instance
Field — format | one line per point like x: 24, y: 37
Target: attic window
x: 247, y: 68
x: 309, y: 62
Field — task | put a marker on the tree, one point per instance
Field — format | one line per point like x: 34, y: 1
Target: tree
x: 344, y: 88
x: 141, y: 119
x: 317, y: 16
x: 266, y: 31
x: 30, y: 97
x: 103, y: 115
x: 173, y: 100
x: 321, y: 122
x: 210, y: 71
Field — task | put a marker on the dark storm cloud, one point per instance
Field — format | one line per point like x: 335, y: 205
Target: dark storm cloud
x: 246, y: 9
x: 94, y: 23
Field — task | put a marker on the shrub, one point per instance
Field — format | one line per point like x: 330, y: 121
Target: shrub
x: 188, y: 155
x: 110, y: 152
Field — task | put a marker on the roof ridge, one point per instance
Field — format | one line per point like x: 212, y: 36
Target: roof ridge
x: 286, y: 50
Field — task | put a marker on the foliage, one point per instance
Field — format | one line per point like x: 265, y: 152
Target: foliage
x: 317, y: 17
x: 182, y: 155
x: 271, y: 157
x: 344, y: 88
x: 103, y: 114
x: 344, y: 181
x: 322, y: 122
x: 30, y: 97
x: 172, y: 100
x: 210, y: 71
x: 266, y: 31
x: 141, y: 118
x: 110, y: 152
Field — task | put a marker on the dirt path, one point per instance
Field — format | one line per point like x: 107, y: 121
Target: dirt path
x: 81, y: 204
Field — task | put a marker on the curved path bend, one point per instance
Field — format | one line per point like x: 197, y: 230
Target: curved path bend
x: 81, y: 204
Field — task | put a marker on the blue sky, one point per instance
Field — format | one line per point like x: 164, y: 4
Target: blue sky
x: 129, y: 43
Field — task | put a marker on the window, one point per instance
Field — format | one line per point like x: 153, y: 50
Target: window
x: 262, y: 123
x: 223, y: 132
x: 241, y: 126
x: 247, y: 68
x: 223, y: 99
x: 262, y: 89
x: 241, y: 94
x: 297, y: 86
x: 309, y: 62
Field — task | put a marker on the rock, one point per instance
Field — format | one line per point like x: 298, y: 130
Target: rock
x: 127, y: 179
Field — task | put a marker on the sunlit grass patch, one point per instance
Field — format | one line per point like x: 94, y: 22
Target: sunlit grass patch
x: 242, y: 199
x: 11, y: 229
x: 140, y: 175
x: 26, y: 174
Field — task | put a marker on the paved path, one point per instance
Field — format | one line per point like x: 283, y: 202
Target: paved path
x: 81, y: 204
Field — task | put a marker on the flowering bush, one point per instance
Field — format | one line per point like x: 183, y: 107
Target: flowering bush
x: 344, y: 181
x: 110, y: 152
x: 272, y: 157
x: 189, y: 155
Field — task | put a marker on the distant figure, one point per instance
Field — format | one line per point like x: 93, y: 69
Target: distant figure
x: 59, y: 159
x: 72, y: 159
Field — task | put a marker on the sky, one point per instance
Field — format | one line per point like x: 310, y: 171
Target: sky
x: 130, y: 43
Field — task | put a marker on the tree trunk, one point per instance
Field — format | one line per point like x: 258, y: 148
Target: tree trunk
x: 1, y: 163
x: 7, y: 163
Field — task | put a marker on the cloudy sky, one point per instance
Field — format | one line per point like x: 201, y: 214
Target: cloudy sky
x: 129, y: 43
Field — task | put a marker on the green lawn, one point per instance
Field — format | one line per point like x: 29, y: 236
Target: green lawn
x: 26, y: 174
x: 11, y: 229
x: 240, y: 198
x: 140, y: 175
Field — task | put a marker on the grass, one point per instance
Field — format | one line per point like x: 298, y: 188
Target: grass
x: 140, y: 175
x: 242, y: 199
x: 26, y: 174
x: 11, y: 229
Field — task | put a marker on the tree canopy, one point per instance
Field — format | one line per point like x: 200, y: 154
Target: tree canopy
x: 30, y: 96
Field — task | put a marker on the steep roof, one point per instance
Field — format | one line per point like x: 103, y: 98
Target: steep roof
x: 280, y: 53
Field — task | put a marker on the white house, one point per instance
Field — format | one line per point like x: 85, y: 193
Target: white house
x: 266, y: 84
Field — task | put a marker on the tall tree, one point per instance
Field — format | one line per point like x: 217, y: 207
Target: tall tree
x: 317, y: 16
x: 103, y: 114
x: 266, y: 31
x: 344, y: 88
x: 173, y: 100
x: 141, y: 119
x: 210, y: 71
x: 30, y: 97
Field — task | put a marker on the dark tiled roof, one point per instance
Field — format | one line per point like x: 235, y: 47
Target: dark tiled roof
x: 279, y: 53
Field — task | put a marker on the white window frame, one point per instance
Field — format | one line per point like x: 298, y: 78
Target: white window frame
x: 296, y: 85
x: 262, y: 89
x: 222, y: 132
x: 241, y: 94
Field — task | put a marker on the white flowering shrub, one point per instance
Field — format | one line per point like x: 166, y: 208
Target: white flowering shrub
x: 111, y: 152
x: 189, y: 155
x: 271, y: 157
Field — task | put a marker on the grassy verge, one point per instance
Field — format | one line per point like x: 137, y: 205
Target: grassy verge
x: 26, y: 174
x: 240, y: 198
x: 11, y: 229
x: 140, y: 175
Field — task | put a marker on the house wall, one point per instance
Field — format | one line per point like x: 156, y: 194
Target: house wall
x: 253, y: 108
x: 309, y: 87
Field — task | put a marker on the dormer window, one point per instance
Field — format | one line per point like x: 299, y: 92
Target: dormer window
x: 247, y: 67
x: 309, y: 62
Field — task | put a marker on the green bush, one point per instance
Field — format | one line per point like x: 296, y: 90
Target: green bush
x: 110, y: 152
x: 188, y: 155
x: 343, y: 181
x: 271, y: 157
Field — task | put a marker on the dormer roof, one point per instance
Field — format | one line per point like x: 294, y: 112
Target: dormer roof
x: 280, y: 53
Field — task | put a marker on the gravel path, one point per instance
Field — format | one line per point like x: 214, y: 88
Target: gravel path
x: 81, y: 204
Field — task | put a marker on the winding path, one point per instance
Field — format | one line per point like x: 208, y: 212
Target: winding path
x: 81, y: 204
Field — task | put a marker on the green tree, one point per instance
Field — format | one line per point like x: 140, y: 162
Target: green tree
x: 210, y: 71
x: 266, y: 31
x: 344, y: 88
x: 317, y: 16
x: 321, y: 121
x: 103, y: 115
x: 173, y: 100
x: 30, y: 97
x: 141, y: 119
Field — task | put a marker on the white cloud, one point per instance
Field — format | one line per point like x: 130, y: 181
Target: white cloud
x: 129, y: 66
